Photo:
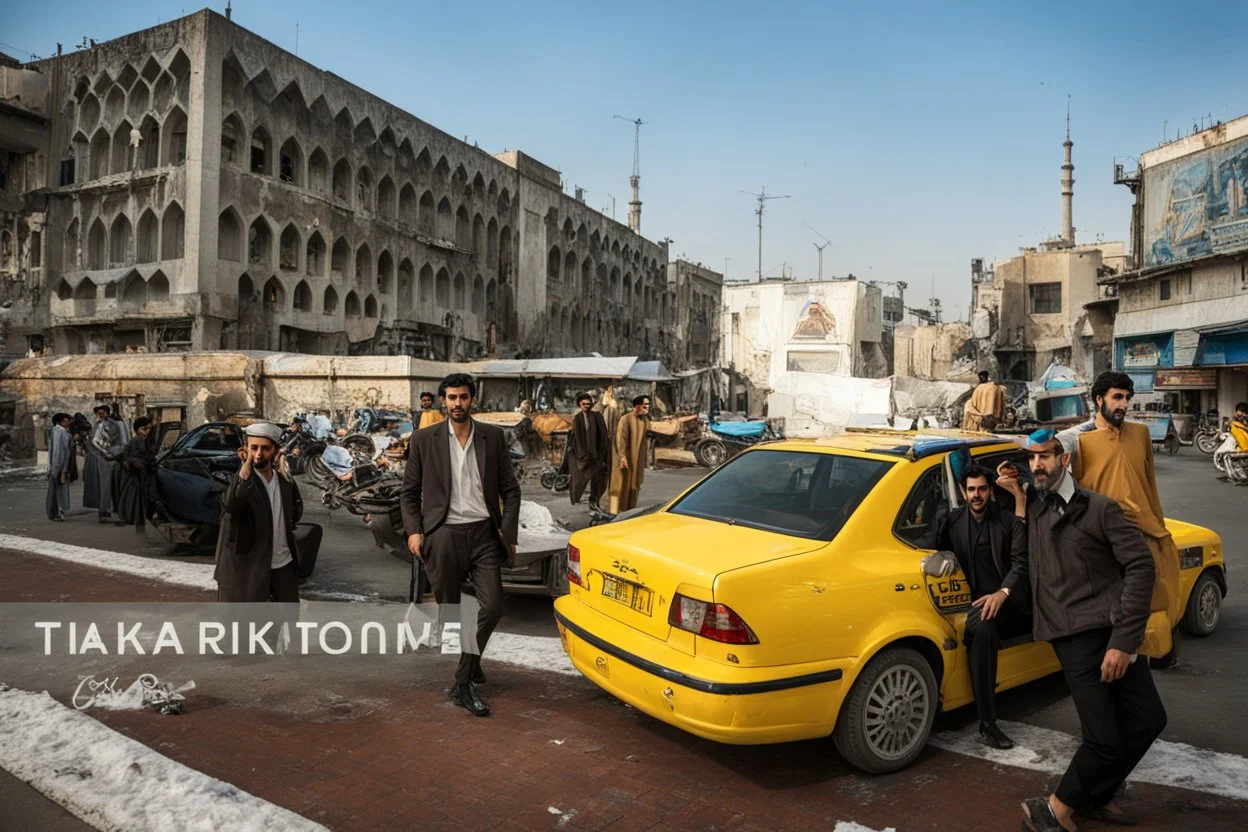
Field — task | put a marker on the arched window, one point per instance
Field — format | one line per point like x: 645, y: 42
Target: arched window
x: 173, y: 141
x: 329, y: 304
x: 426, y: 285
x: 229, y: 236
x: 407, y: 205
x: 259, y: 242
x: 133, y: 292
x: 290, y: 162
x: 478, y: 296
x: 172, y: 232
x: 460, y: 292
x: 123, y: 155
x: 119, y: 241
x: 232, y: 134
x: 274, y: 294
x: 385, y: 273
x: 318, y: 171
x: 428, y: 213
x: 303, y: 297
x: 386, y: 206
x: 446, y: 220
x: 463, y: 229
x: 316, y: 255
x: 158, y: 288
x: 147, y: 245
x: 442, y: 289
x: 370, y: 307
x: 364, y: 267
x: 352, y: 307
x: 288, y: 251
x: 340, y: 262
x: 364, y: 189
x: 261, y: 152
x: 342, y: 182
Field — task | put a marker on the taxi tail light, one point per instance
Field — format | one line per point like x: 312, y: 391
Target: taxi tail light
x: 574, y: 565
x: 714, y: 621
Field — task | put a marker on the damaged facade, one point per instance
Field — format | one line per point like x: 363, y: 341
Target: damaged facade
x: 199, y: 188
x: 699, y: 296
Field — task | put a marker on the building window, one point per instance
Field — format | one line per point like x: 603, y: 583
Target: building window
x: 1046, y: 298
x: 67, y: 172
x: 36, y: 249
x: 1163, y: 288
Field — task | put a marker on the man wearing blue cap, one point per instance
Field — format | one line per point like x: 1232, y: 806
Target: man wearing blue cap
x: 1091, y: 583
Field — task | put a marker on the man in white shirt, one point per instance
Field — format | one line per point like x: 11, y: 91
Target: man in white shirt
x: 461, y: 509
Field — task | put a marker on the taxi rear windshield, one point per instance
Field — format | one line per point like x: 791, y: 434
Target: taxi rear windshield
x: 789, y: 492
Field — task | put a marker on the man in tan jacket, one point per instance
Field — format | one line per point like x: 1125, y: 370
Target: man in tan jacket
x: 630, y: 456
x: 986, y: 407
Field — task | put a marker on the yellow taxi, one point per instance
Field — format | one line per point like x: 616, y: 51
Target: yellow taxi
x: 782, y: 597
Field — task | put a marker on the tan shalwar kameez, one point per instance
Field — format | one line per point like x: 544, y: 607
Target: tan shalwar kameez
x: 988, y: 399
x: 630, y: 444
x: 1118, y: 462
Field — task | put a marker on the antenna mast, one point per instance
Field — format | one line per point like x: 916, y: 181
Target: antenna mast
x: 762, y: 205
x: 634, y: 181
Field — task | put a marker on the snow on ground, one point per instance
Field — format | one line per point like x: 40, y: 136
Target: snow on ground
x: 195, y: 575
x: 850, y: 826
x: 1173, y: 764
x: 537, y: 652
x: 114, y: 783
x: 538, y: 530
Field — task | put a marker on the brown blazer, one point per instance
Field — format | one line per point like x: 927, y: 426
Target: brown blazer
x: 426, y: 493
x: 245, y: 542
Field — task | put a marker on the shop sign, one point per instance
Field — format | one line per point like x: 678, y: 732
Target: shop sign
x: 1187, y: 379
x: 1140, y: 355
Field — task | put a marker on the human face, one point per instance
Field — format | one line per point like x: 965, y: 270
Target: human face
x: 643, y: 408
x: 1048, y: 466
x: 260, y: 452
x: 977, y: 492
x: 1113, y: 405
x: 144, y: 431
x: 585, y: 405
x: 426, y: 402
x: 458, y: 403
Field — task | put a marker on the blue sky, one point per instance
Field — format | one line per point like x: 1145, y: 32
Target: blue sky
x: 914, y: 135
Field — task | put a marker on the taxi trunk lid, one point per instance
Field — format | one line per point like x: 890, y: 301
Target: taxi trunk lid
x: 631, y: 570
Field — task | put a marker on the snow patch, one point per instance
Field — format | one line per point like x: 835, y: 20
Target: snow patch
x: 115, y: 783
x: 537, y: 652
x: 850, y: 826
x: 539, y: 532
x: 1172, y: 764
x: 195, y: 575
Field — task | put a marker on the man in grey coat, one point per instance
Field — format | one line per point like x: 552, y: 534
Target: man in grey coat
x: 104, y: 447
x: 60, y: 459
x: 1092, y: 586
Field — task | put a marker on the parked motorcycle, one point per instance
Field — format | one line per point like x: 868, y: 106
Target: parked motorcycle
x: 1230, y: 461
x: 727, y: 439
x: 299, y: 445
x: 1207, y: 432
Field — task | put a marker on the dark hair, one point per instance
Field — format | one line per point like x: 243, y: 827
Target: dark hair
x: 457, y: 380
x: 104, y: 407
x: 584, y: 397
x: 1242, y: 407
x: 57, y: 418
x: 429, y: 394
x: 983, y: 375
x: 974, y: 472
x: 141, y: 422
x: 639, y: 400
x: 1110, y: 380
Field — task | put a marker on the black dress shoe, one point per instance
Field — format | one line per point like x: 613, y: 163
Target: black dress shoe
x: 1039, y: 815
x: 993, y: 737
x: 465, y: 696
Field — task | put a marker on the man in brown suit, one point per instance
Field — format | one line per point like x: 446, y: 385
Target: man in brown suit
x: 461, y: 508
x: 630, y: 456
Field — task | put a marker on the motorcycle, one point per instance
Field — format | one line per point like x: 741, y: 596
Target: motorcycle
x: 1208, y: 431
x: 1230, y: 461
x: 727, y: 439
x: 299, y: 445
x: 366, y: 422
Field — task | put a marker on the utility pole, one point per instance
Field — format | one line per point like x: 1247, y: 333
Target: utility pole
x: 762, y: 204
x: 634, y: 181
x: 820, y: 248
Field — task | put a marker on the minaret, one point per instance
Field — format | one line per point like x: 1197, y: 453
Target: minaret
x: 634, y: 205
x: 1068, y: 184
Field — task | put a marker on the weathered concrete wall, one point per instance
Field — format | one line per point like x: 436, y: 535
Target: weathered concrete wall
x: 928, y: 351
x: 339, y: 384
x: 818, y: 404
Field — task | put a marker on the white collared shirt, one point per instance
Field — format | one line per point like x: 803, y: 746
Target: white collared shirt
x: 1066, y: 488
x: 467, y: 503
x: 281, y: 551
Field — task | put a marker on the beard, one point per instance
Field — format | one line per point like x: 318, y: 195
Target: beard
x: 1114, y: 417
x: 1048, y: 483
x: 261, y: 464
x: 459, y: 415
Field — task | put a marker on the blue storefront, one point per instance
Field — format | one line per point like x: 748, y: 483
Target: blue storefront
x: 1140, y: 356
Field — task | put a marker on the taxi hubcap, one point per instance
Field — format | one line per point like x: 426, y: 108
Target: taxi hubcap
x: 1209, y: 606
x: 896, y: 712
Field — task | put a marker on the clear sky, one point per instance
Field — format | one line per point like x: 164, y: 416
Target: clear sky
x: 914, y: 135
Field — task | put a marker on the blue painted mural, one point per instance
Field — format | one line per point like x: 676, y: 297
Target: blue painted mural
x: 1201, y: 204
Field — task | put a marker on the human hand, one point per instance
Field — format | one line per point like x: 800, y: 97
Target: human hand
x: 990, y: 605
x: 1114, y: 665
x: 413, y: 546
x: 244, y: 473
x: 623, y: 464
x: 64, y: 477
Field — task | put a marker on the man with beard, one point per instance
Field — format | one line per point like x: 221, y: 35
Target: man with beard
x: 103, y: 450
x: 991, y: 548
x: 1091, y: 581
x: 429, y: 415
x: 1114, y: 457
x: 461, y: 508
x: 589, y: 453
x: 630, y: 456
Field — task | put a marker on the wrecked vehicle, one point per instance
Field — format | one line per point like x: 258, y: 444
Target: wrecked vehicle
x: 192, y: 469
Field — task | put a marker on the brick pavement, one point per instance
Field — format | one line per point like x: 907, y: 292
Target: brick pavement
x: 401, y: 757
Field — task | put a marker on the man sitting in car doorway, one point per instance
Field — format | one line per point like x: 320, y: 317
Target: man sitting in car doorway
x: 991, y: 548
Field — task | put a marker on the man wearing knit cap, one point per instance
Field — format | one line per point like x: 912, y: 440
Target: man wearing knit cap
x: 1091, y: 585
x: 257, y: 555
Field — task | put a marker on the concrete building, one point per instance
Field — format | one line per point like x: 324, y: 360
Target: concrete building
x: 775, y: 328
x: 698, y: 293
x: 936, y: 352
x: 193, y: 186
x: 1182, y: 325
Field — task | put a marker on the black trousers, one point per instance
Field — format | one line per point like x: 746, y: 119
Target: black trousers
x: 983, y: 644
x: 1119, y: 720
x: 472, y: 551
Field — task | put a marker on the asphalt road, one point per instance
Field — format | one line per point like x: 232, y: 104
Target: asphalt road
x: 1210, y: 677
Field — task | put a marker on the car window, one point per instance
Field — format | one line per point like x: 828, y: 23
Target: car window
x: 790, y: 492
x: 927, y: 505
x: 216, y: 439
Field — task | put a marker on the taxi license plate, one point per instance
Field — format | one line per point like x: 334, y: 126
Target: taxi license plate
x: 629, y: 594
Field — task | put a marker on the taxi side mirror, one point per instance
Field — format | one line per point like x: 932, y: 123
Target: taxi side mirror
x: 939, y: 565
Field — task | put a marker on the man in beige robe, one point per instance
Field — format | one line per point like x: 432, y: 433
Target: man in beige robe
x: 986, y: 407
x: 629, y: 467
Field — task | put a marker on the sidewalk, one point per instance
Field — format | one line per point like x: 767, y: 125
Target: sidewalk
x: 389, y: 752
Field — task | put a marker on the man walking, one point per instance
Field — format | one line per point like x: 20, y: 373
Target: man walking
x: 60, y: 457
x: 630, y: 456
x: 461, y: 509
x: 257, y: 554
x: 429, y: 415
x: 991, y: 548
x: 103, y: 449
x: 1114, y: 457
x: 986, y: 407
x: 1091, y: 581
x: 589, y: 453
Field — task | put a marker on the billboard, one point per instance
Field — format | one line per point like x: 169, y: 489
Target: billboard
x: 1197, y: 204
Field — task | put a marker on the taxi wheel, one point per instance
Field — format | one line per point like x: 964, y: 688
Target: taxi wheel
x: 1204, y: 607
x: 886, y: 719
